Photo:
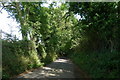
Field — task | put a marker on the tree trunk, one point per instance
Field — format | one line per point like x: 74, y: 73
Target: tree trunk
x: 23, y: 29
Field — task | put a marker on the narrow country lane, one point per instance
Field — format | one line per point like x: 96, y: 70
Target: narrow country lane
x: 61, y: 68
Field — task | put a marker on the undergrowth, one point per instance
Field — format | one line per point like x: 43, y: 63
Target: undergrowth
x: 18, y: 57
x: 50, y: 58
x: 98, y: 65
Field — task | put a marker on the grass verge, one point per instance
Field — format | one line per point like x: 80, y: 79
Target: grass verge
x: 98, y: 65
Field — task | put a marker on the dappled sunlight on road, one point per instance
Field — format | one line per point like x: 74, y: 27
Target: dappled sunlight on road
x: 61, y: 68
x: 62, y: 60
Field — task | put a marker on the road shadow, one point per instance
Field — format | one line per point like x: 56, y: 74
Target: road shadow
x: 61, y: 69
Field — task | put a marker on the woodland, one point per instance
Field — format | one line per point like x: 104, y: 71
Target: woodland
x: 92, y: 42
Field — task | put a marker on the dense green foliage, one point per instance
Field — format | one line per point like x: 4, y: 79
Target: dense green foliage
x: 91, y: 41
x: 98, y: 47
x: 17, y: 57
x: 98, y: 65
x: 99, y: 25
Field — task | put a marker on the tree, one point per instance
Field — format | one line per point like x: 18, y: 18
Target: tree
x: 98, y: 23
